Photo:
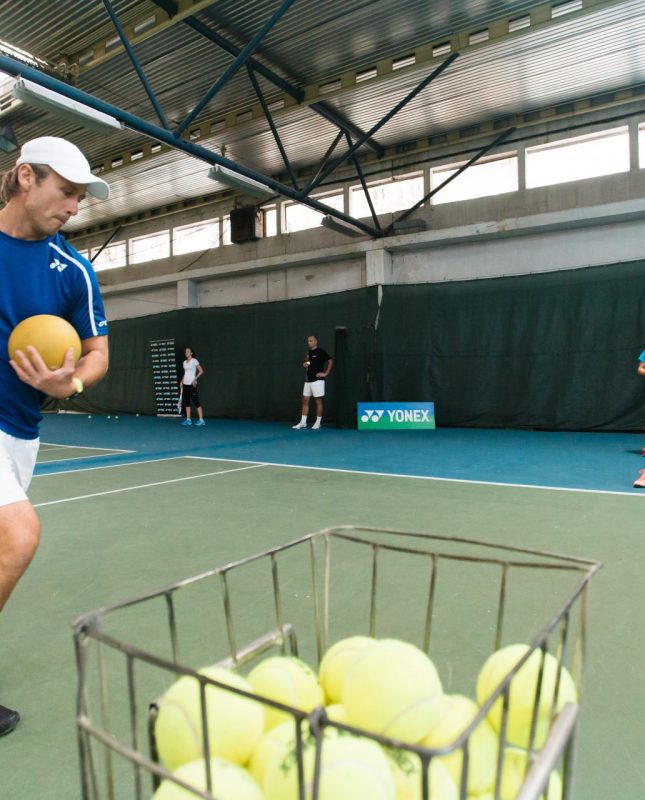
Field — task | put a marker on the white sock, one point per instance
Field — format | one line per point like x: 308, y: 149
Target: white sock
x: 318, y: 420
x: 303, y: 419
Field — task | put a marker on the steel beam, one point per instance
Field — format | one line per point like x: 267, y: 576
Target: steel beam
x: 333, y: 116
x: 328, y: 154
x: 330, y: 114
x: 239, y: 60
x: 361, y: 140
x: 274, y: 130
x: 106, y: 243
x: 361, y: 178
x: 498, y: 140
x: 135, y: 64
x: 13, y: 67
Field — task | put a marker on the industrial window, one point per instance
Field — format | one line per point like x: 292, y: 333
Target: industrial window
x: 395, y: 194
x: 298, y: 217
x: 604, y: 153
x: 226, y: 230
x: 150, y: 248
x: 111, y: 257
x: 198, y: 236
x: 641, y: 145
x: 270, y: 214
x: 482, y: 179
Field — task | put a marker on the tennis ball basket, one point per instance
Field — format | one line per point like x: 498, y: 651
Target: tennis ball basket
x: 462, y: 603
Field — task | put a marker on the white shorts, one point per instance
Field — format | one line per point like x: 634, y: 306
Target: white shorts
x: 315, y: 388
x: 17, y: 462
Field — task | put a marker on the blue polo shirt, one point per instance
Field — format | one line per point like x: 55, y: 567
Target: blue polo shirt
x: 43, y: 277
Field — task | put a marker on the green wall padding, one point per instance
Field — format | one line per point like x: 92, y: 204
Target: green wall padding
x: 252, y: 356
x: 555, y: 350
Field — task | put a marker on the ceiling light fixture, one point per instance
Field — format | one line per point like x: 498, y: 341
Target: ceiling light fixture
x: 240, y: 182
x: 339, y: 226
x: 38, y: 97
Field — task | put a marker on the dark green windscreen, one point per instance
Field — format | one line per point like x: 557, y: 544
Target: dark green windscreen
x: 252, y: 356
x: 556, y: 350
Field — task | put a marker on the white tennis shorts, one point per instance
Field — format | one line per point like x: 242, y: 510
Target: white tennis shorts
x: 315, y: 388
x: 17, y: 461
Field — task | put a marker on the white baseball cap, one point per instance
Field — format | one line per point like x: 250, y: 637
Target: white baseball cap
x: 65, y: 159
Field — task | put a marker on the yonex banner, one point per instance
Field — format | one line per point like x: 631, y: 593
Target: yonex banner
x: 390, y: 416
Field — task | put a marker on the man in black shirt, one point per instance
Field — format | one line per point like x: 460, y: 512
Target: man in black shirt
x: 318, y: 365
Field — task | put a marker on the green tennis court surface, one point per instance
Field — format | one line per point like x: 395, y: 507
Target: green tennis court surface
x: 115, y: 532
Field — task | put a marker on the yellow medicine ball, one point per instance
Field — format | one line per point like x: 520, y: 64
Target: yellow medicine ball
x: 52, y: 336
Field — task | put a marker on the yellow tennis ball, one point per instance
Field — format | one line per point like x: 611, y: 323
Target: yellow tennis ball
x: 52, y: 336
x: 406, y: 770
x: 337, y: 713
x: 336, y: 661
x: 273, y: 745
x: 279, y: 740
x: 522, y: 692
x: 229, y: 782
x: 392, y: 689
x: 351, y: 768
x: 235, y: 723
x: 287, y: 680
x: 454, y: 714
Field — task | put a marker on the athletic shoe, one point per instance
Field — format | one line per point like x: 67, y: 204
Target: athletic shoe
x: 639, y: 483
x: 299, y: 426
x: 200, y: 423
x: 187, y: 422
x: 315, y: 427
x: 8, y: 720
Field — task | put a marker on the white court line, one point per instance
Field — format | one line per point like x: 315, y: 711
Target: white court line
x: 78, y: 458
x: 113, y: 466
x: 422, y: 477
x: 83, y: 447
x: 255, y: 465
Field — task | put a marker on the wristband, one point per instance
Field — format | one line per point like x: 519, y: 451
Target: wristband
x: 78, y: 386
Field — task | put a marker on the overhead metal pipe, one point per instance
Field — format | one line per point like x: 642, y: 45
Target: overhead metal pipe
x: 15, y: 68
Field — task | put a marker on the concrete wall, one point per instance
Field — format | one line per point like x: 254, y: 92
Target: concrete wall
x: 568, y: 226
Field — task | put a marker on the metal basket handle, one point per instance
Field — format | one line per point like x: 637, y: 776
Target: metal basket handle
x: 560, y: 736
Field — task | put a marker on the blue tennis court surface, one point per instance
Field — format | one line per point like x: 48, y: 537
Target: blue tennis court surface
x: 558, y: 460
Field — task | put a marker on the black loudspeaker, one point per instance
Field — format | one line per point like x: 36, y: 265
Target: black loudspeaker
x: 246, y: 224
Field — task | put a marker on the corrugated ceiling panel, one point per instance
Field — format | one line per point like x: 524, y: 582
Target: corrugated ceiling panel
x: 52, y: 30
x: 602, y: 49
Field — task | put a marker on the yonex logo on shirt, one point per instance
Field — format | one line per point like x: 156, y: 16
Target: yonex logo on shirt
x: 56, y: 264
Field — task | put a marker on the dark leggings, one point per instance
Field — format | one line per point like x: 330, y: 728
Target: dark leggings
x: 189, y: 393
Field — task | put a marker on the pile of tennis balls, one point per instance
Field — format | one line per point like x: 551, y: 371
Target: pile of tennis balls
x: 384, y: 686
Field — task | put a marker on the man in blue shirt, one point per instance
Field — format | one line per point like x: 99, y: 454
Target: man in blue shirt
x: 40, y: 273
